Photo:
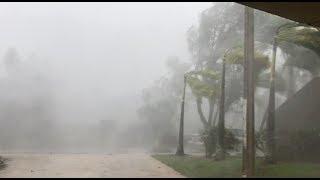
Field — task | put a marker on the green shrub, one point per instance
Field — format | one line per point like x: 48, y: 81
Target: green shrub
x: 209, y: 137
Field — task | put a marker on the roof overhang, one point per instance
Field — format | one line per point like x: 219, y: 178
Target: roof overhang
x: 302, y: 12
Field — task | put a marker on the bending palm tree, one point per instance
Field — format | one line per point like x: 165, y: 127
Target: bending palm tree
x: 271, y: 110
x: 307, y: 37
x: 198, y: 81
x: 180, y: 150
x: 221, y: 123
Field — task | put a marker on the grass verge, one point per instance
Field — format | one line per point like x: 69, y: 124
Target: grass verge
x: 199, y: 167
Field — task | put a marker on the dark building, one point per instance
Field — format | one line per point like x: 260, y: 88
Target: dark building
x: 298, y: 124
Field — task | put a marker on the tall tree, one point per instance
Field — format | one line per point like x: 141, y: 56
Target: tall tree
x: 271, y: 110
x: 180, y: 149
x: 220, y: 26
x: 201, y: 89
x: 160, y: 104
x: 307, y: 37
x: 221, y: 125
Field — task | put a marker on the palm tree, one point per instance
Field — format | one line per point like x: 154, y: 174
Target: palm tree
x: 203, y: 89
x: 271, y: 110
x: 270, y: 141
x: 261, y: 63
x: 304, y: 36
x: 198, y: 81
x: 221, y: 123
x: 180, y: 149
x: 300, y: 35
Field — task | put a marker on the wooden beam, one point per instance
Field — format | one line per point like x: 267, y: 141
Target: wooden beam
x: 249, y: 91
x: 303, y: 12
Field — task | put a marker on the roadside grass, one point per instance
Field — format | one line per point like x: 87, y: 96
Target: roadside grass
x: 200, y: 167
x: 290, y: 169
x: 192, y: 166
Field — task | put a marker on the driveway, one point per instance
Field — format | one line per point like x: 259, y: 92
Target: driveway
x: 85, y: 165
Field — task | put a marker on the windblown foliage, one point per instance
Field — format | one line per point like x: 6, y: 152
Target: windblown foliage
x: 199, y: 87
x: 304, y: 36
x: 301, y: 36
x: 236, y: 56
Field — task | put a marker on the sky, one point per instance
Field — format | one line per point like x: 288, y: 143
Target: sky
x: 100, y: 50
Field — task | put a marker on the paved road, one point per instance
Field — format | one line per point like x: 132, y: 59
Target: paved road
x: 85, y: 165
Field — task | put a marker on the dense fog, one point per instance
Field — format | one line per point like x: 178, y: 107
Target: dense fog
x: 108, y: 77
x: 72, y: 74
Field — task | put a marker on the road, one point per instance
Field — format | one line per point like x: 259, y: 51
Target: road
x: 84, y: 165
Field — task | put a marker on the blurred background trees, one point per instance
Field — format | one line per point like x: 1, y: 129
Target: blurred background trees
x: 218, y: 35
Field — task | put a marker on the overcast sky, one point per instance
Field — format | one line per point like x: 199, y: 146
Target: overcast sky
x: 115, y: 48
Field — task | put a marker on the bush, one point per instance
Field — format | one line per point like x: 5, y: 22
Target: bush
x: 261, y: 141
x: 230, y: 141
x: 209, y: 137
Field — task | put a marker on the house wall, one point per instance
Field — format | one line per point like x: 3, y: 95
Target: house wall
x: 298, y: 125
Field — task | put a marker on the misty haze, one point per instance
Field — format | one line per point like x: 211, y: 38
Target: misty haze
x: 157, y: 89
x: 67, y: 68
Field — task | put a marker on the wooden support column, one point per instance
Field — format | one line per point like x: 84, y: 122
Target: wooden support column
x: 249, y: 144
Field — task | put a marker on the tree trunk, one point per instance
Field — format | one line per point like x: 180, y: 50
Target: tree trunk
x: 221, y: 123
x: 270, y: 139
x: 215, y: 117
x: 180, y: 150
x: 211, y: 109
x: 264, y: 119
x: 199, y: 108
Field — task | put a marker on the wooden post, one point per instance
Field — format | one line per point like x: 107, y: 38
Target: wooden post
x: 180, y: 150
x: 249, y: 145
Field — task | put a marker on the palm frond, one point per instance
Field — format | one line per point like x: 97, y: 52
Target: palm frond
x: 304, y: 36
x: 201, y: 88
x: 236, y: 56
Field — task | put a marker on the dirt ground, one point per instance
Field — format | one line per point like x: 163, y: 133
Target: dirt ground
x: 85, y: 165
